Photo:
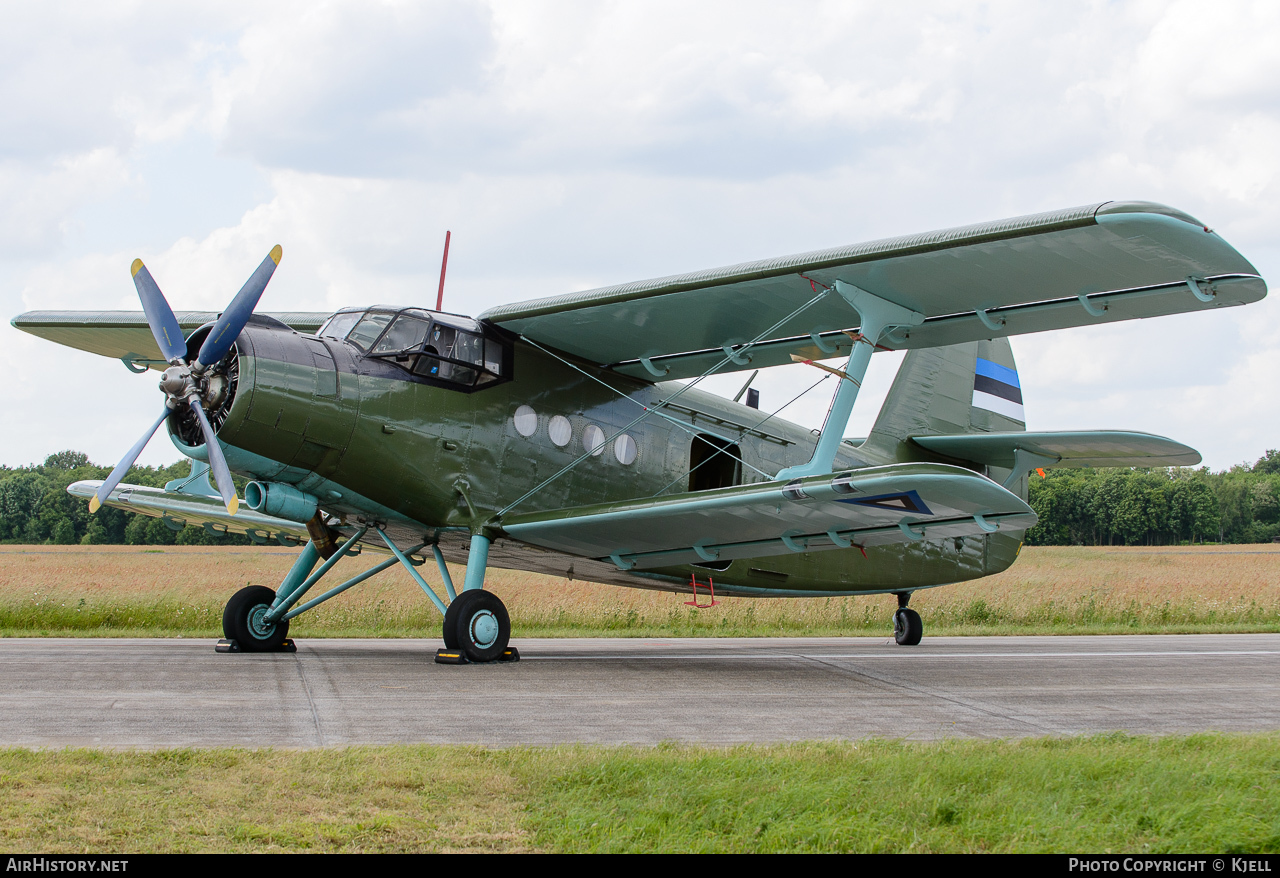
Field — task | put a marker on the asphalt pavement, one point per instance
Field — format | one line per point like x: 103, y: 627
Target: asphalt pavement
x: 176, y: 693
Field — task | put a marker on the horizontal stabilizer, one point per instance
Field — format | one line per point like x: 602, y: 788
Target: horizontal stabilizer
x: 1065, y: 449
x: 900, y: 503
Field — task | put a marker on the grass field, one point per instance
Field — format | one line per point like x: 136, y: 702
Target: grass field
x: 142, y: 591
x: 1114, y: 793
x: 1110, y: 793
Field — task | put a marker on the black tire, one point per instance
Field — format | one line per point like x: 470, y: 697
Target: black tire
x: 240, y: 620
x: 478, y: 624
x: 907, y: 627
x: 451, y: 623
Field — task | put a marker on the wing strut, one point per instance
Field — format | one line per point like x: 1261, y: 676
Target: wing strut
x: 878, y: 316
x: 1025, y: 461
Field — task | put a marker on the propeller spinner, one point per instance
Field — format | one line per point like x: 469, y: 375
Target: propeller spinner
x: 189, y: 382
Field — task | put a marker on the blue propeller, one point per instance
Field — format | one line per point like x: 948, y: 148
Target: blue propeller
x: 164, y: 326
x: 184, y: 382
x: 227, y: 329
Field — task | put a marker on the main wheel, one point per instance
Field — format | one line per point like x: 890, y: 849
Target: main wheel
x: 242, y: 620
x: 477, y: 623
x: 907, y: 627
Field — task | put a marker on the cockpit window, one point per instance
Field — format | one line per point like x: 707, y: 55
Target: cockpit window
x: 447, y: 348
x: 366, y: 332
x: 405, y: 334
x: 340, y: 324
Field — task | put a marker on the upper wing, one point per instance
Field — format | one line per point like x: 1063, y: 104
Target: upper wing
x: 1128, y: 259
x: 124, y: 335
x: 875, y: 506
x: 1072, y: 449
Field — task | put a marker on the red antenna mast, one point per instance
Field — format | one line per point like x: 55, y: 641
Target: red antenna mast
x: 444, y: 263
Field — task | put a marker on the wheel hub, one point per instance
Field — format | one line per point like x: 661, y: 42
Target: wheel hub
x: 258, y: 625
x: 483, y: 629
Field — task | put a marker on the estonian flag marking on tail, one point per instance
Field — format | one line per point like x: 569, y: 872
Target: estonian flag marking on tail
x: 996, y: 389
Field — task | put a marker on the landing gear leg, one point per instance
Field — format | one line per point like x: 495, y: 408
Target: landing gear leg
x: 477, y: 624
x: 244, y: 627
x: 907, y: 626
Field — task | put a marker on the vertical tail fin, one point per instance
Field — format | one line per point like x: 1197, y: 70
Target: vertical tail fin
x: 964, y: 388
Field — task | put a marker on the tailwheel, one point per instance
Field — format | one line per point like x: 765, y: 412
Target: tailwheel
x: 242, y: 620
x: 907, y: 627
x: 477, y: 624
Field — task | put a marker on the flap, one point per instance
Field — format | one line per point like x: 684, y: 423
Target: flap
x: 124, y: 335
x: 1129, y: 259
x: 876, y: 506
x: 1072, y: 449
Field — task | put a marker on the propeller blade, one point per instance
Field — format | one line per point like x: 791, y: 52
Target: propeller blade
x: 217, y: 463
x: 164, y: 326
x: 227, y: 329
x: 95, y: 502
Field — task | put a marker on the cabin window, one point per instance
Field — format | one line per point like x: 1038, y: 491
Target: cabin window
x: 713, y: 463
x: 560, y: 430
x: 525, y: 420
x: 593, y: 440
x: 624, y: 448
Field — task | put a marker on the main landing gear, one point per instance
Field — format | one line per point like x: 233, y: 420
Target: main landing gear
x: 477, y: 627
x: 243, y: 621
x: 477, y: 624
x: 907, y: 626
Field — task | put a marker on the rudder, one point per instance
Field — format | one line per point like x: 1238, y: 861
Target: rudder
x: 965, y: 388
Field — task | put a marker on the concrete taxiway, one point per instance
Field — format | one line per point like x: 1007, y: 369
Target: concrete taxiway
x: 174, y: 693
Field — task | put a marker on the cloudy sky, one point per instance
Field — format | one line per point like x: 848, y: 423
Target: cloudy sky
x: 569, y: 145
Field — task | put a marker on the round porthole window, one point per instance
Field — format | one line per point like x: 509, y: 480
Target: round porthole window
x: 593, y: 439
x: 526, y: 420
x: 624, y: 448
x: 560, y: 430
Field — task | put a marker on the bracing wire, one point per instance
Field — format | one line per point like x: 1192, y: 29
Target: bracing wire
x: 650, y: 410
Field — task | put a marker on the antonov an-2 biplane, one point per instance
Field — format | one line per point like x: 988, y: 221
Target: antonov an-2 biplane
x: 563, y: 436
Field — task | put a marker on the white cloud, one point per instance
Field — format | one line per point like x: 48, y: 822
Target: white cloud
x: 569, y: 145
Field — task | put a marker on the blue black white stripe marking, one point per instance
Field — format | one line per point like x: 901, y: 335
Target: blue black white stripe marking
x: 996, y: 389
x: 908, y: 501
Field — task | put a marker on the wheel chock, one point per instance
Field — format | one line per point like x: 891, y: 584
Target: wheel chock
x: 232, y: 646
x: 451, y: 657
x: 510, y: 654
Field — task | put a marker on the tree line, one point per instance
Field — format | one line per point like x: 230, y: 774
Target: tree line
x: 36, y: 508
x: 1157, y: 507
x: 1077, y: 507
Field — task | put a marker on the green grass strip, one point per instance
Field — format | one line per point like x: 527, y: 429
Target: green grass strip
x: 163, y: 617
x: 1111, y: 793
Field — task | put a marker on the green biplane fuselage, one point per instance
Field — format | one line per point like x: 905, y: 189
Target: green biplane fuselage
x: 437, y: 457
x: 555, y: 435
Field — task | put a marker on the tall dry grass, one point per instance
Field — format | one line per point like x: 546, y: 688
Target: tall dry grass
x: 126, y: 590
